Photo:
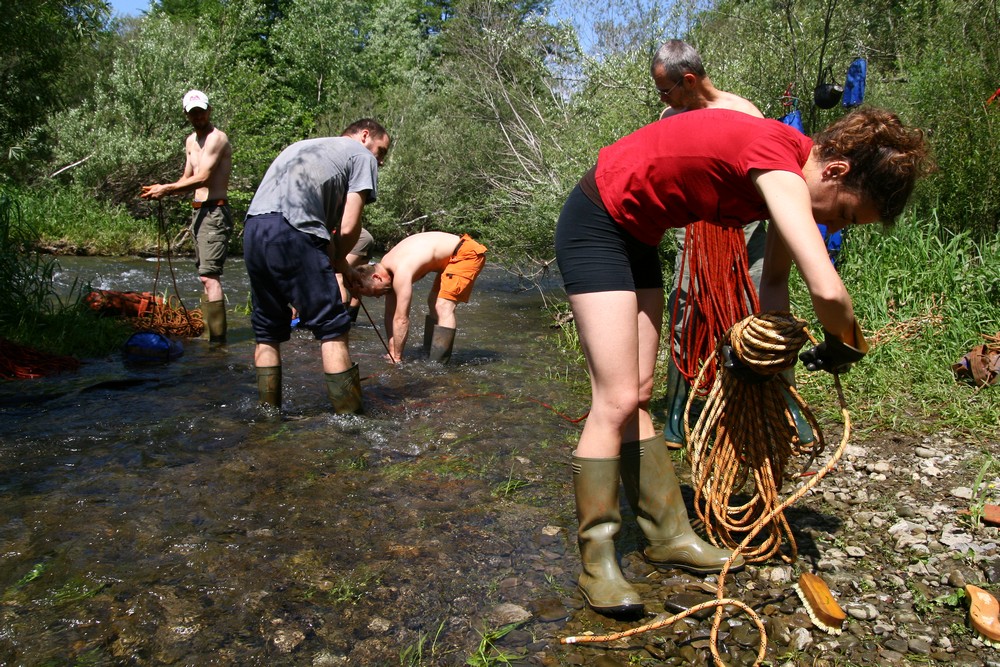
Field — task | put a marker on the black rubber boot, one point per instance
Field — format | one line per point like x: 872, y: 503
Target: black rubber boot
x: 214, y: 314
x: 353, y: 312
x: 652, y: 489
x: 269, y: 385
x: 595, y: 482
x: 429, y: 322
x: 677, y: 393
x: 441, y: 343
x: 344, y: 391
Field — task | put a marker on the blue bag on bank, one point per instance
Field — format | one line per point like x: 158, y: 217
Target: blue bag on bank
x: 149, y: 346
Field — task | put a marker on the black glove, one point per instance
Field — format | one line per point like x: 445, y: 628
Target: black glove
x: 731, y: 362
x: 834, y: 355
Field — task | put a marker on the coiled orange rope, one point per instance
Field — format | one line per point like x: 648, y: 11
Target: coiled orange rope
x: 747, y: 433
x: 711, y: 304
x: 20, y: 362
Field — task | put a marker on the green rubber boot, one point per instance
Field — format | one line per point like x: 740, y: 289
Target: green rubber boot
x: 677, y: 393
x: 652, y: 488
x: 441, y: 344
x: 269, y: 385
x: 214, y: 313
x: 344, y: 391
x: 595, y: 482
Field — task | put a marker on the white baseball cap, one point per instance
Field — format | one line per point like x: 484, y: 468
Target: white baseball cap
x: 195, y: 99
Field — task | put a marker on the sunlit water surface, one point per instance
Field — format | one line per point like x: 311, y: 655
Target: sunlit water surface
x: 154, y: 514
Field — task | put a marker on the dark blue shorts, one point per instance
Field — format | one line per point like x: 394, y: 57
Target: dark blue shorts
x: 287, y: 268
x: 596, y: 254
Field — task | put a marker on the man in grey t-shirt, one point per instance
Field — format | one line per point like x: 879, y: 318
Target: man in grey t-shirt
x: 302, y: 222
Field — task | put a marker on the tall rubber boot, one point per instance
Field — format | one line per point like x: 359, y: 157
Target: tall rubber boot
x: 214, y: 313
x: 652, y: 488
x: 269, y: 385
x: 441, y: 343
x: 429, y: 323
x: 595, y: 482
x: 353, y: 312
x: 344, y: 391
x: 677, y: 393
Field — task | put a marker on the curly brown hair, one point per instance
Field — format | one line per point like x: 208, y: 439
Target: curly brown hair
x: 886, y: 157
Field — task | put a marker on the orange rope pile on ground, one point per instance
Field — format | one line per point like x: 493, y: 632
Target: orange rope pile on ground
x: 20, y: 362
x: 711, y: 305
x: 170, y: 319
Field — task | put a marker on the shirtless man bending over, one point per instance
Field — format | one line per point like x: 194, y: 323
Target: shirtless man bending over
x: 455, y: 260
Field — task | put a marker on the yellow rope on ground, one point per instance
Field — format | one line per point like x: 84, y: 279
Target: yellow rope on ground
x: 759, y: 341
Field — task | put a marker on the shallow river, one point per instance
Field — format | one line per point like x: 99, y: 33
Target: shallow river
x: 153, y: 515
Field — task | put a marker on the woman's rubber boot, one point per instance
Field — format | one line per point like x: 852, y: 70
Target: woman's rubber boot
x: 269, y: 385
x: 429, y: 323
x: 214, y: 314
x: 595, y: 482
x: 652, y: 489
x: 677, y: 392
x: 441, y: 343
x: 344, y: 391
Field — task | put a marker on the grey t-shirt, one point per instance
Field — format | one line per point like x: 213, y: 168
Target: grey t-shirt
x: 309, y: 181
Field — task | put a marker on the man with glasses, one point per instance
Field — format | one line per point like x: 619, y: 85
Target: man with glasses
x: 683, y: 85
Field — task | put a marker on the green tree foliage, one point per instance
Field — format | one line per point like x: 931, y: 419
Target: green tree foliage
x: 494, y: 108
x: 488, y: 152
x: 48, y: 54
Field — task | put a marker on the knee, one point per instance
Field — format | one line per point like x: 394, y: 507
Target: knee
x: 618, y: 409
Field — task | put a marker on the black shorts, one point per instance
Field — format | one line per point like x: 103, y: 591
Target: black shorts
x: 288, y: 267
x: 596, y: 254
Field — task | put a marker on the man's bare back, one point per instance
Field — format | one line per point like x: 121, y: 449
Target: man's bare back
x: 420, y: 254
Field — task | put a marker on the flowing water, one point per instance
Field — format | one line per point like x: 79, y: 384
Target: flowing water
x: 154, y: 514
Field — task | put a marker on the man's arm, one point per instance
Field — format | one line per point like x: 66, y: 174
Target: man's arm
x: 397, y: 315
x: 193, y: 178
x: 350, y: 232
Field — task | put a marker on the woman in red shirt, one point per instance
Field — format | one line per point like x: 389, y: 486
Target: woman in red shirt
x: 724, y: 167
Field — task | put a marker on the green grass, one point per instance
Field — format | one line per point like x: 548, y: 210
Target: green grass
x: 31, y: 313
x: 925, y: 297
x: 73, y: 222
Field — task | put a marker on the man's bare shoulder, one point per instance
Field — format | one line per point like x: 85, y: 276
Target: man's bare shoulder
x: 420, y: 253
x: 736, y: 103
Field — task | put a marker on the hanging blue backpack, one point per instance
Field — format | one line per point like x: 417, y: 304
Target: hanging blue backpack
x: 794, y: 119
x: 854, y: 84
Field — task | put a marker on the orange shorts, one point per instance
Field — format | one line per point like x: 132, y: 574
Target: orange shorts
x: 463, y: 268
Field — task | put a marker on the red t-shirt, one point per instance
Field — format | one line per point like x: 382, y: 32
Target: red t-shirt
x: 694, y: 166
